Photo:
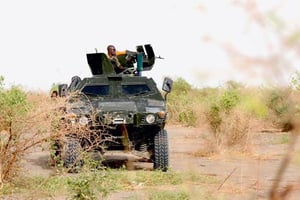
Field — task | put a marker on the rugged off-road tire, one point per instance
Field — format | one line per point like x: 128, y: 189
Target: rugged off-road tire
x: 71, y: 155
x: 161, y: 151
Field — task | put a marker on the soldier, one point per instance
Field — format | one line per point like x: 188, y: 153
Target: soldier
x: 54, y: 94
x: 112, y: 56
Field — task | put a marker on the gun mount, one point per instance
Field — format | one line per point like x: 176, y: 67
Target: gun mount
x: 100, y: 64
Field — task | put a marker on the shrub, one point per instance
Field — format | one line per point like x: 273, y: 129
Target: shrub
x: 229, y: 99
x: 13, y: 109
x: 82, y: 189
x: 214, y: 117
x: 279, y: 103
x: 254, y: 105
x: 228, y: 123
x: 180, y: 86
x: 24, y: 124
x: 188, y: 117
x: 235, y: 129
x: 219, y: 104
x: 182, y: 102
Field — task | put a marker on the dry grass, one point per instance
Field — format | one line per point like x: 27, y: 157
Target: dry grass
x: 232, y: 134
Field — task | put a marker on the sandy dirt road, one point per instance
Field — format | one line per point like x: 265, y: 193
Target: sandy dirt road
x: 243, y: 176
x: 247, y: 175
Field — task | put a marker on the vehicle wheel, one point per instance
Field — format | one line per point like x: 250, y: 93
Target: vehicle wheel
x: 161, y: 151
x: 71, y: 154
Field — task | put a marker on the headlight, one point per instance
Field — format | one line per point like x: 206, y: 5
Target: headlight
x: 71, y: 117
x: 83, y: 120
x: 150, y: 118
x: 162, y: 114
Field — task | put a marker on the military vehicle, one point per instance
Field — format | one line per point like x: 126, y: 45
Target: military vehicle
x: 112, y: 111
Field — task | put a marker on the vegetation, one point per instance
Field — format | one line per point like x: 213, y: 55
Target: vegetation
x: 24, y: 123
x: 14, y: 107
x: 229, y: 111
x: 195, y: 107
x: 100, y: 184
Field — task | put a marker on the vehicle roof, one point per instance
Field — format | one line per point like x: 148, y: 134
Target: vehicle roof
x: 100, y: 79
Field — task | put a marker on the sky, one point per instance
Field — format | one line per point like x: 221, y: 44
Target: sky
x: 45, y: 42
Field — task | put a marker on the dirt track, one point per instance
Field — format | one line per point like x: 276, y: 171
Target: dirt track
x: 244, y: 176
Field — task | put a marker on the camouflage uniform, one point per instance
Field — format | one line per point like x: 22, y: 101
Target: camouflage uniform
x: 116, y: 64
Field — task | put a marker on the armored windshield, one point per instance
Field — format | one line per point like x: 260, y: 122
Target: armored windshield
x: 135, y: 89
x: 96, y: 90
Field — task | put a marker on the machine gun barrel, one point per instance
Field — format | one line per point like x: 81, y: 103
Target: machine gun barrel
x: 159, y: 57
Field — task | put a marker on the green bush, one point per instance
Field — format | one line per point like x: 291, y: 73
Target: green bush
x: 182, y: 102
x: 13, y: 108
x: 254, y: 105
x: 188, y: 117
x: 219, y: 104
x: 214, y: 116
x: 277, y: 101
x: 229, y: 99
x: 23, y: 125
x: 282, y: 110
x: 181, y: 87
x: 82, y: 189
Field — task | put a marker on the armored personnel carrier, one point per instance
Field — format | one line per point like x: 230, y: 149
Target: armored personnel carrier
x: 115, y: 112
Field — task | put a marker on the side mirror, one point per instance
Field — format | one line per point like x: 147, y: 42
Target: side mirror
x: 63, y: 90
x: 167, y: 85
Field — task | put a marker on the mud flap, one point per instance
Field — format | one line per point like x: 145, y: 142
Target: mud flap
x: 125, y: 138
